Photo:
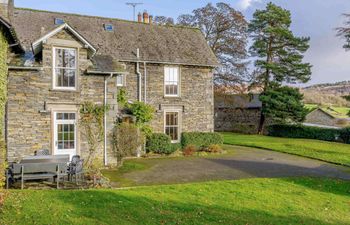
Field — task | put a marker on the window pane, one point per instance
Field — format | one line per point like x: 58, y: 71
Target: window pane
x: 120, y: 80
x: 59, y: 116
x: 65, y: 58
x: 65, y: 77
x: 72, y: 116
x: 60, y: 145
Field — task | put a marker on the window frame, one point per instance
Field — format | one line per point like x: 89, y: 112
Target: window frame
x: 123, y: 80
x: 57, y: 122
x: 179, y: 121
x: 54, y: 85
x: 178, y: 81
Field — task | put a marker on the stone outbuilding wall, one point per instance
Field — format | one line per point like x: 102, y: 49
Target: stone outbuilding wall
x: 318, y: 116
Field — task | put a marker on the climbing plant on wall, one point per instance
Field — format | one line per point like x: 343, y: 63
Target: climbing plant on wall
x: 3, y: 95
x: 92, y: 123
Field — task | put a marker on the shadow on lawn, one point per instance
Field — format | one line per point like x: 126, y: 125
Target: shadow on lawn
x: 114, y: 207
x: 271, y: 169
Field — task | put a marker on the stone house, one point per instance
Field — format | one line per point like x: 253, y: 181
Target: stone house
x: 57, y: 61
x: 237, y: 113
x: 322, y: 118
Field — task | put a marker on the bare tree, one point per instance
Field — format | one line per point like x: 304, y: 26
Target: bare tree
x: 163, y: 20
x: 345, y: 31
x: 225, y: 29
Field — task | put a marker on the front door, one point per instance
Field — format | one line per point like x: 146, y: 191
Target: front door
x: 65, y: 133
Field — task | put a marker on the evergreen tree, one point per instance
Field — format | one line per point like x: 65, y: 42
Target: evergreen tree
x: 278, y: 52
x: 284, y: 104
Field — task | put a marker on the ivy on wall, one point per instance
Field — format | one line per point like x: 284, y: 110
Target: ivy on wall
x: 3, y: 96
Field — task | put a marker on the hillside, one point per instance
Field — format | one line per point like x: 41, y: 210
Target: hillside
x: 329, y: 94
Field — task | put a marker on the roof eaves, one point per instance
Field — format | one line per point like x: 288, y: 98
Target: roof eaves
x: 170, y: 63
x: 12, y: 34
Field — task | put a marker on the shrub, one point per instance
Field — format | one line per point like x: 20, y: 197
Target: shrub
x: 200, y: 139
x: 345, y: 135
x: 127, y: 139
x: 160, y: 143
x: 189, y: 150
x: 213, y: 149
x: 143, y: 112
x: 299, y: 131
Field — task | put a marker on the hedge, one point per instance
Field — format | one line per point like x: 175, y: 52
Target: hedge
x: 318, y: 133
x: 161, y: 144
x: 201, y: 139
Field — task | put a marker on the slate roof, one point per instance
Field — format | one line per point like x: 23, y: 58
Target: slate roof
x: 106, y: 63
x: 159, y: 44
x: 232, y: 101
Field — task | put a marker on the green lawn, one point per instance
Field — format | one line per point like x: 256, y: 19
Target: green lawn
x: 255, y: 201
x: 327, y: 151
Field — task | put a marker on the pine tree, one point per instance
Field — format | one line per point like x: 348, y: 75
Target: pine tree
x: 278, y: 52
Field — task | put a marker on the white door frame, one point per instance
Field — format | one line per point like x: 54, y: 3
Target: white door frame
x: 56, y: 122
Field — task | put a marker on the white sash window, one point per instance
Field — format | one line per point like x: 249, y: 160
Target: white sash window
x: 64, y: 68
x: 171, y: 81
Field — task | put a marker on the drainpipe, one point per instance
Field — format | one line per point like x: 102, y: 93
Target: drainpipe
x: 138, y: 74
x: 105, y: 121
x: 145, y: 82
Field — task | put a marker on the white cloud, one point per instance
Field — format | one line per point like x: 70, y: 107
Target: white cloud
x: 245, y: 4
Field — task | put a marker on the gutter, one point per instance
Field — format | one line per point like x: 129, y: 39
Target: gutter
x: 105, y: 73
x: 138, y: 74
x: 145, y: 82
x: 170, y: 63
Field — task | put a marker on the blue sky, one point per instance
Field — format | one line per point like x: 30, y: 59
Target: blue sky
x: 314, y: 18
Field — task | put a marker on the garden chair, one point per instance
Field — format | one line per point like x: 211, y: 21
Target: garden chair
x: 75, y: 169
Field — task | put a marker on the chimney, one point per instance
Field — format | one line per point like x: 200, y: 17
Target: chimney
x: 150, y: 19
x: 6, y: 9
x: 139, y: 18
x: 145, y: 17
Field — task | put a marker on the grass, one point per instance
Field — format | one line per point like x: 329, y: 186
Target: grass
x: 116, y: 175
x: 255, y: 201
x: 327, y: 151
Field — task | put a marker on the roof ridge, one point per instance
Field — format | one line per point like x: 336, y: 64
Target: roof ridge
x: 110, y: 18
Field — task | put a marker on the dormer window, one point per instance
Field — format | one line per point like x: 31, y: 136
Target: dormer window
x: 64, y: 68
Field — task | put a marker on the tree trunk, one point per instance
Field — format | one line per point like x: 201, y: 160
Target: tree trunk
x: 261, y: 123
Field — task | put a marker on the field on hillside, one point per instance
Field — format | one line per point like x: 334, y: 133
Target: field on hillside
x: 338, y: 112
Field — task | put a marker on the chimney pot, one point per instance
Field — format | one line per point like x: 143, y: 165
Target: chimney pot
x: 145, y: 17
x: 139, y: 18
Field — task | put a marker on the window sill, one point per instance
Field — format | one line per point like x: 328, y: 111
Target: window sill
x: 172, y: 97
x: 64, y: 90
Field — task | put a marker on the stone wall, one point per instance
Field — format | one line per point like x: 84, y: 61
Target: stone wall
x: 32, y: 100
x: 3, y: 95
x: 196, y: 99
x: 237, y: 120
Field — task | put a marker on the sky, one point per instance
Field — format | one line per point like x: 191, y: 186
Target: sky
x: 316, y: 19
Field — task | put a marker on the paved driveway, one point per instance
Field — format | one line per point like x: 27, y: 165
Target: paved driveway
x: 244, y: 163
